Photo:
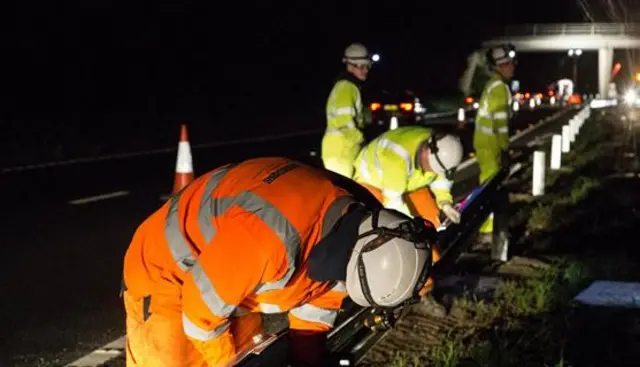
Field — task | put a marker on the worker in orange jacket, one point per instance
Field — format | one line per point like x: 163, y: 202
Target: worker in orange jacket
x: 266, y: 235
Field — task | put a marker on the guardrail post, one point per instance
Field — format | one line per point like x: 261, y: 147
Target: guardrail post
x: 537, y: 188
x: 393, y: 124
x: 461, y: 115
x: 572, y: 130
x: 556, y: 151
x: 566, y: 142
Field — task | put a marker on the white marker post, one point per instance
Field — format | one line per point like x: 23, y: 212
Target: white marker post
x: 538, y: 173
x: 461, y: 115
x: 516, y: 106
x: 566, y: 139
x: 572, y: 131
x: 579, y: 124
x: 393, y: 124
x: 556, y: 151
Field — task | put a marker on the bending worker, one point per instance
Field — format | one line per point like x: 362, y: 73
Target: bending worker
x: 343, y: 137
x: 266, y: 235
x: 400, y: 166
x: 491, y: 143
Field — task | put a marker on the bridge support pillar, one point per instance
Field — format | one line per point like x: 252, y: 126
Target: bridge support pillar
x: 605, y: 63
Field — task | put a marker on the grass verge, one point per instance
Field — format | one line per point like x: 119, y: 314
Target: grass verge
x: 582, y: 229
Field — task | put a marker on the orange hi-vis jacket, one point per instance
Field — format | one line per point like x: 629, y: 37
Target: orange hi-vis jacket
x: 237, y: 240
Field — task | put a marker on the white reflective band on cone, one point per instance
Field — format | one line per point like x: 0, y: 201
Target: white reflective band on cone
x: 184, y: 163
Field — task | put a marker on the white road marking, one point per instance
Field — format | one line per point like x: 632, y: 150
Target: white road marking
x: 91, y: 199
x: 215, y: 144
x: 101, y: 355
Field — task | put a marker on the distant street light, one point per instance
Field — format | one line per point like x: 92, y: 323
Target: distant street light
x: 375, y: 57
x: 575, y: 54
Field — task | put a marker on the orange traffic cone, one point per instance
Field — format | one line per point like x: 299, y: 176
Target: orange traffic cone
x: 184, y: 164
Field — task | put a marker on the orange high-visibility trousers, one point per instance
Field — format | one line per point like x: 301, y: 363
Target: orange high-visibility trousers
x: 155, y: 337
x: 420, y: 202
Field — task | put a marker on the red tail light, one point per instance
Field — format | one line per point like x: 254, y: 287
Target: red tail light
x: 375, y: 106
x: 406, y: 106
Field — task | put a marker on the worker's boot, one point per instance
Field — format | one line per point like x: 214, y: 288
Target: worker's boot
x: 482, y: 242
x: 484, y: 238
x: 434, y: 308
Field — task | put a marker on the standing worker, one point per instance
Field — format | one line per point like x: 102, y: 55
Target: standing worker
x: 343, y: 137
x: 266, y: 235
x: 491, y: 143
x: 400, y: 166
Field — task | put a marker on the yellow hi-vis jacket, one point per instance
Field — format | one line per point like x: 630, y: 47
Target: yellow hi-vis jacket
x: 343, y: 136
x: 391, y: 163
x: 491, y: 134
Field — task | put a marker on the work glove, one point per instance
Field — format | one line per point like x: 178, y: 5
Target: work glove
x: 451, y: 213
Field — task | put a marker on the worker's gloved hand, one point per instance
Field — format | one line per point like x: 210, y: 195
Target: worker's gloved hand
x: 308, y: 349
x: 451, y: 213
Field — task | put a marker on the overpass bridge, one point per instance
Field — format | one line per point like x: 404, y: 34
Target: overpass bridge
x: 603, y: 37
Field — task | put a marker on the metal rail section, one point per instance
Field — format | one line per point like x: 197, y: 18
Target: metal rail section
x: 574, y: 29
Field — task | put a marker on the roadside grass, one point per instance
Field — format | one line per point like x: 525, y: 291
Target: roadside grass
x: 582, y: 230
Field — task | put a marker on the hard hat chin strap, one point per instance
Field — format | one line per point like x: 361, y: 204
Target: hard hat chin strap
x: 432, y: 143
x: 420, y: 233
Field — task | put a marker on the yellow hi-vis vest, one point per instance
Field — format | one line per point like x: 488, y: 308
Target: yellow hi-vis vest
x: 492, y: 120
x: 390, y: 163
x: 344, y: 112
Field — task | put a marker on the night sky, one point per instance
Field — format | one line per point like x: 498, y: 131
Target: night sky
x: 104, y: 61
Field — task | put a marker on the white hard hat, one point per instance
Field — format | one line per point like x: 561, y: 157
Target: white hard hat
x: 445, y: 153
x: 391, y: 259
x: 356, y: 54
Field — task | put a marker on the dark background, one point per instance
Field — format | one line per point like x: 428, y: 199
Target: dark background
x: 94, y: 77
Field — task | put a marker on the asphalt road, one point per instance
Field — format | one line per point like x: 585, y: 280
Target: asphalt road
x: 61, y: 274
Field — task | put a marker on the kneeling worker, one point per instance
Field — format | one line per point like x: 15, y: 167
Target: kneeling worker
x: 400, y: 166
x: 266, y: 235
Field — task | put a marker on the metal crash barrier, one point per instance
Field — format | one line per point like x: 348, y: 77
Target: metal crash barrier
x: 358, y: 329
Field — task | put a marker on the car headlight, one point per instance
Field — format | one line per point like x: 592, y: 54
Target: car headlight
x: 630, y: 96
